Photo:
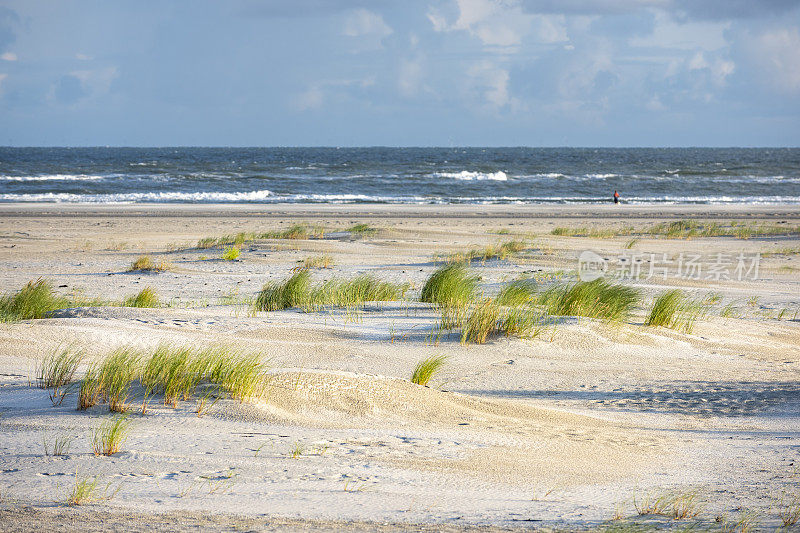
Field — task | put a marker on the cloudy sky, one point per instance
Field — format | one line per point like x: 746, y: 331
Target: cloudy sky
x: 400, y: 73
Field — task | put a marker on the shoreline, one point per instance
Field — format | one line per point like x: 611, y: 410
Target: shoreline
x: 279, y: 210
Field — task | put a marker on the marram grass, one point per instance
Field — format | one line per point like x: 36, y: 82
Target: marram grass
x: 521, y: 292
x: 427, y: 368
x: 297, y: 291
x: 58, y: 369
x: 35, y: 300
x: 593, y: 299
x: 675, y: 311
x: 147, y: 297
x: 83, y: 491
x: 453, y: 288
x: 175, y: 373
x: 292, y: 292
x: 109, y: 437
x: 145, y: 263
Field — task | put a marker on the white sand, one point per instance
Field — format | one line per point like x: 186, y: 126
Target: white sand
x: 554, y: 431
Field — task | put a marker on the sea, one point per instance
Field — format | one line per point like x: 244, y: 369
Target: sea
x: 107, y: 175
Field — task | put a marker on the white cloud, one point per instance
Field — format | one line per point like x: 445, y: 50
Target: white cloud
x: 778, y: 55
x: 670, y: 34
x: 501, y: 23
x: 719, y: 68
x: 491, y: 83
x: 310, y: 99
x: 655, y: 104
x: 9, y: 56
x: 410, y: 77
x: 364, y: 22
x: 83, y: 57
x: 98, y: 81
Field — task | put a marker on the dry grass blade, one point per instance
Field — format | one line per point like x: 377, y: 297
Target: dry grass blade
x: 789, y: 512
x: 144, y: 263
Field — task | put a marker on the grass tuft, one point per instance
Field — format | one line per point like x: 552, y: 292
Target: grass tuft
x: 117, y: 375
x: 56, y: 372
x: 292, y: 292
x: 675, y: 311
x: 144, y: 263
x: 231, y: 254
x: 362, y: 229
x: 58, y: 447
x: 452, y: 288
x: 298, y: 291
x: 318, y: 261
x: 109, y: 437
x: 482, y: 322
x: 427, y: 368
x: 521, y: 292
x: 789, y: 512
x: 594, y: 299
x: 35, y: 300
x: 147, y: 297
x: 84, y: 490
x: 493, y: 251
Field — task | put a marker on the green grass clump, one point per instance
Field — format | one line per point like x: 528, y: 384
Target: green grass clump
x: 511, y: 312
x: 56, y: 372
x: 362, y: 229
x: 231, y: 254
x: 492, y: 251
x: 675, y: 311
x: 427, y: 368
x: 144, y: 263
x: 597, y: 233
x: 58, y: 369
x: 108, y: 438
x: 452, y: 288
x: 594, y: 299
x: 84, y: 490
x: 292, y: 292
x: 91, y: 388
x: 117, y: 374
x: 177, y: 373
x: 482, y: 322
x: 35, y: 300
x: 298, y: 291
x: 517, y: 293
x: 147, y: 297
x: 355, y: 292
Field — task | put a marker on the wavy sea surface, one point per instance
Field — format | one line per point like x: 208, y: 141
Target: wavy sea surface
x: 401, y: 175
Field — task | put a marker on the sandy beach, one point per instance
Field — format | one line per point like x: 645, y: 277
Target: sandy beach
x: 568, y: 430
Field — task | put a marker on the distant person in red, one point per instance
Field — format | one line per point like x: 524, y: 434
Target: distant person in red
x: 616, y: 197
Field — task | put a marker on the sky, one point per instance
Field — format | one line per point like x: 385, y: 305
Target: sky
x: 400, y: 73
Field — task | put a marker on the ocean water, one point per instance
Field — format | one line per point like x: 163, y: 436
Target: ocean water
x: 401, y: 175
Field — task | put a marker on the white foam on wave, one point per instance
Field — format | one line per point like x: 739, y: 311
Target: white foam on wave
x: 601, y: 176
x: 250, y: 196
x: 54, y: 177
x: 467, y: 175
